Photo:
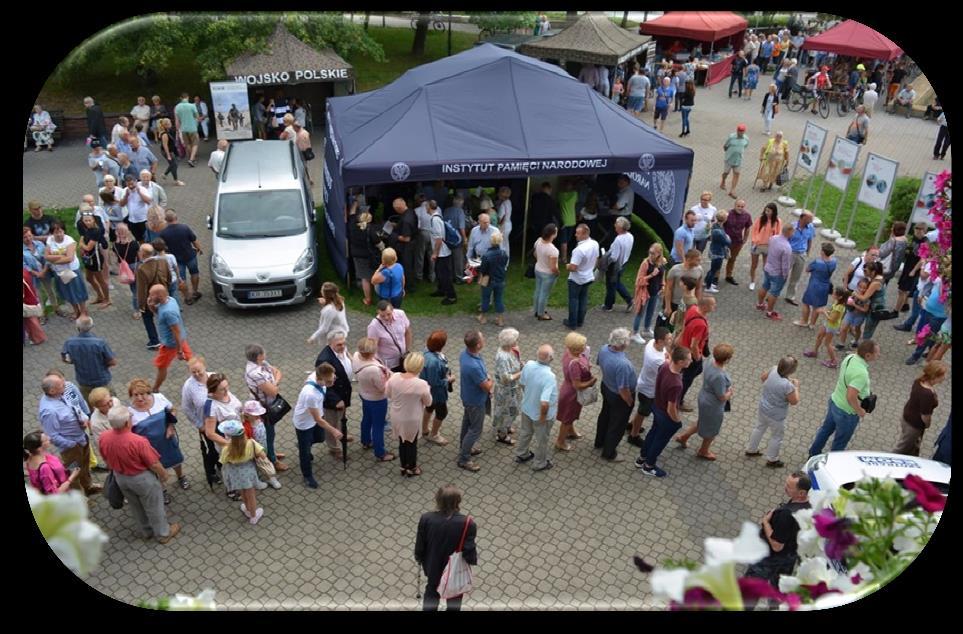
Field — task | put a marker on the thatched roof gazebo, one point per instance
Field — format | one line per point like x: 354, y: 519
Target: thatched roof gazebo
x: 592, y: 39
x: 287, y: 60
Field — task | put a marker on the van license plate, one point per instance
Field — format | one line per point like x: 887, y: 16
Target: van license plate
x: 264, y: 294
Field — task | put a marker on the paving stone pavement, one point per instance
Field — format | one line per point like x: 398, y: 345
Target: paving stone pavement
x: 560, y: 539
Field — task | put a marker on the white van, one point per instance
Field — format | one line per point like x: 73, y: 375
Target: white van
x: 264, y: 249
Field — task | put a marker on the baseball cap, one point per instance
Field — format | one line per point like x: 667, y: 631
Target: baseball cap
x: 96, y: 143
x: 253, y: 408
x: 741, y: 127
x: 860, y: 67
x: 231, y: 427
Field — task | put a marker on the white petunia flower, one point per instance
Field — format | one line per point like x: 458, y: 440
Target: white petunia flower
x: 815, y: 569
x: 203, y: 601
x: 62, y: 520
x: 819, y: 500
x: 748, y: 548
x: 669, y: 584
x: 788, y: 584
x: 809, y: 544
x: 912, y: 539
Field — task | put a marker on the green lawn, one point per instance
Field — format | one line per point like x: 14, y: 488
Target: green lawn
x: 397, y: 47
x: 866, y: 221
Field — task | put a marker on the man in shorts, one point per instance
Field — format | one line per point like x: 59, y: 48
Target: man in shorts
x: 664, y: 96
x: 734, y: 147
x: 186, y: 115
x: 171, y: 330
x: 776, y: 271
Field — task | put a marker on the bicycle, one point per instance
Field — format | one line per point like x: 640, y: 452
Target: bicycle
x: 847, y: 102
x: 800, y: 98
x: 436, y: 22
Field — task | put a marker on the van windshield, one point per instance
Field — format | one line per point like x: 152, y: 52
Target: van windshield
x: 263, y: 214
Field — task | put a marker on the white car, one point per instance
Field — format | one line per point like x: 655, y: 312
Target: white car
x: 842, y: 469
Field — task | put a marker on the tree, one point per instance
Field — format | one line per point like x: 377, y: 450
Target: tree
x: 421, y: 34
x: 147, y: 45
x: 502, y: 22
x: 625, y: 19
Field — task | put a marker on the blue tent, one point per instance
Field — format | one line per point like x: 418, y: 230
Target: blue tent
x: 491, y: 113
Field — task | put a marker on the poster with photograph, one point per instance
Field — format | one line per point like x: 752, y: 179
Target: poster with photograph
x: 842, y: 162
x: 811, y: 147
x: 877, y: 183
x: 925, y: 200
x: 230, y: 110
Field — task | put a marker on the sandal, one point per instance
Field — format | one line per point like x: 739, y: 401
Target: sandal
x: 388, y: 457
x: 476, y: 451
x: 505, y: 440
x: 183, y: 481
x: 706, y: 456
x: 563, y: 447
x: 189, y: 300
x: 366, y: 447
x: 366, y: 302
x: 575, y: 436
x: 414, y: 472
x: 682, y: 442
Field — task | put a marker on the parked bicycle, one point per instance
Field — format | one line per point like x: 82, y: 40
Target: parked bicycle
x: 435, y: 22
x: 801, y: 98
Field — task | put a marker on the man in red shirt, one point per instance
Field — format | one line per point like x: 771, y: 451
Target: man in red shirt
x: 666, y: 419
x: 133, y: 459
x: 695, y: 337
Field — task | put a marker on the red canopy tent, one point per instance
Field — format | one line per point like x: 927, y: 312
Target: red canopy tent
x: 702, y: 26
x: 855, y: 40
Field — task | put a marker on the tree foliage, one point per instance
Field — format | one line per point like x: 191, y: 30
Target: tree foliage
x: 146, y: 45
x: 503, y: 21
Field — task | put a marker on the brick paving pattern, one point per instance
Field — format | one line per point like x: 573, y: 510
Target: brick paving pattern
x: 560, y: 539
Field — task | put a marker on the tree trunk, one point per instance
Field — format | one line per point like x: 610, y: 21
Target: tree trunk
x: 625, y: 19
x: 367, y: 18
x: 421, y: 34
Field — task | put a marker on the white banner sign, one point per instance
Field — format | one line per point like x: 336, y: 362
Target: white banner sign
x: 811, y: 148
x: 230, y: 110
x: 842, y: 162
x: 877, y: 183
x: 925, y: 200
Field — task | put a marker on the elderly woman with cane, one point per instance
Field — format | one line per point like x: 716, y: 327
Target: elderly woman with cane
x: 773, y: 159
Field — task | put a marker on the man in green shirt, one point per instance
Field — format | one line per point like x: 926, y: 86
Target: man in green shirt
x: 845, y: 408
x: 185, y: 115
x: 566, y: 205
x: 734, y: 147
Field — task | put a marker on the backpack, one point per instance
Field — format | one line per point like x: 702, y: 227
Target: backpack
x: 453, y: 237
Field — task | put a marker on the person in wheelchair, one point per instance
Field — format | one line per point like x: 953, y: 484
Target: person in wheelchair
x: 817, y: 83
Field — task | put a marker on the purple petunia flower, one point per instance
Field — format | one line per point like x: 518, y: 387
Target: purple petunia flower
x: 835, y: 531
x: 927, y: 495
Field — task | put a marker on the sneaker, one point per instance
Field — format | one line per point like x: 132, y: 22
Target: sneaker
x: 167, y: 497
x: 810, y: 353
x: 639, y: 463
x: 607, y: 309
x: 153, y: 346
x: 653, y: 471
x: 548, y: 465
x: 260, y: 486
x: 854, y: 345
x: 275, y: 484
x: 311, y: 483
x: 637, y: 338
x: 791, y: 302
x: 184, y: 482
x: 258, y: 514
x: 245, y: 511
x: 901, y: 328
x: 752, y: 286
x: 800, y: 323
x: 732, y: 281
x: 175, y: 529
x: 712, y: 288
x: 647, y: 333
x: 773, y: 315
x: 775, y: 464
x: 840, y: 346
x: 525, y: 458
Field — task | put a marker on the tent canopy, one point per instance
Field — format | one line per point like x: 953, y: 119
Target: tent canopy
x: 488, y: 113
x: 592, y: 39
x: 288, y: 60
x: 702, y: 26
x: 854, y: 39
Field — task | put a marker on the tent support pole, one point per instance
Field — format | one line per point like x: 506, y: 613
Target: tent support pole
x: 528, y: 187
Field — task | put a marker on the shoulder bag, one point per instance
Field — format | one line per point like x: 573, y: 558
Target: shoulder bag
x: 868, y: 403
x: 401, y: 363
x: 588, y: 395
x: 115, y: 497
x: 276, y: 410
x: 456, y: 579
x: 126, y: 274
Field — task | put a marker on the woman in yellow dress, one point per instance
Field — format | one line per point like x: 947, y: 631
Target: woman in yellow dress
x: 773, y: 158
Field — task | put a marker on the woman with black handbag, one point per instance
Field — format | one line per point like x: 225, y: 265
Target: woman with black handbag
x: 263, y: 380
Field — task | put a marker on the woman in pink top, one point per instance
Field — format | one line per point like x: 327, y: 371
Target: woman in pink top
x: 408, y: 396
x: 47, y: 473
x: 372, y: 375
x: 767, y: 226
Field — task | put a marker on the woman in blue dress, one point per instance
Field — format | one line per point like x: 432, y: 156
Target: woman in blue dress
x: 61, y: 254
x: 819, y: 287
x: 152, y: 416
x: 752, y: 79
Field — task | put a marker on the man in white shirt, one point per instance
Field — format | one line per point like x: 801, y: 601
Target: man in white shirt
x: 138, y: 197
x: 217, y: 157
x: 581, y: 269
x: 870, y: 97
x: 656, y: 353
x: 904, y: 100
x: 442, y: 260
x: 309, y: 425
x: 705, y: 213
x: 141, y: 112
x: 203, y: 121
x: 423, y: 239
x: 618, y: 257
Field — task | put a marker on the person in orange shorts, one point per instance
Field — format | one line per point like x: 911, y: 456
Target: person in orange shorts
x: 170, y: 327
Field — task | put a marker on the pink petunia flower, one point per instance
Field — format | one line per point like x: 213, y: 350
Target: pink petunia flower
x: 927, y: 495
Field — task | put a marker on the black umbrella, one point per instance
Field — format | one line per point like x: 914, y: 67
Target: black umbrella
x: 344, y: 440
